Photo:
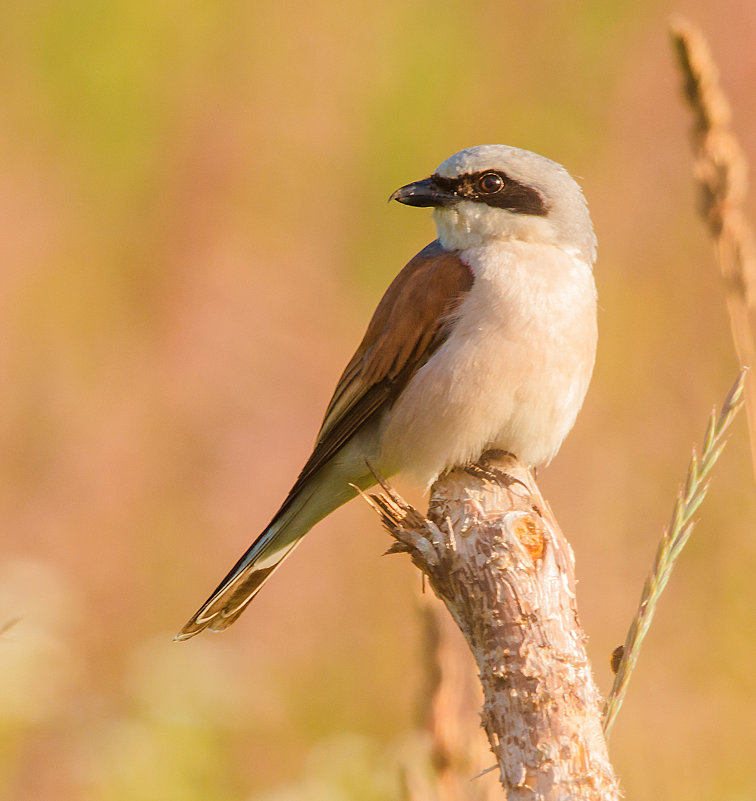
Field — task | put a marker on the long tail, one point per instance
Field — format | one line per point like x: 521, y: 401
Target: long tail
x: 296, y: 517
x: 242, y: 583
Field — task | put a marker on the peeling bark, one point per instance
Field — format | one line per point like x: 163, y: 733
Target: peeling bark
x: 496, y: 557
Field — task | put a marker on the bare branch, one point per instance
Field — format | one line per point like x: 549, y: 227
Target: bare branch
x: 495, y: 555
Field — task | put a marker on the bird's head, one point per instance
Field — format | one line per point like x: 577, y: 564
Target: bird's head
x: 495, y: 192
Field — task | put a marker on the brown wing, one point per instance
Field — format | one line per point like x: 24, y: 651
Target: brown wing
x: 412, y: 320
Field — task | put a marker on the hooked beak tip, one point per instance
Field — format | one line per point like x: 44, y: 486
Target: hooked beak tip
x: 424, y: 193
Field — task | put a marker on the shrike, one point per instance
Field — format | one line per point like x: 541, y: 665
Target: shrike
x: 485, y: 340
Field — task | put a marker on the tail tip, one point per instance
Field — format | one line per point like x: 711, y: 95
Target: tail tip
x: 219, y: 621
x: 189, y: 631
x: 194, y: 627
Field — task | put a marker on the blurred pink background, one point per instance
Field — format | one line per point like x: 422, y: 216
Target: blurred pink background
x: 193, y: 233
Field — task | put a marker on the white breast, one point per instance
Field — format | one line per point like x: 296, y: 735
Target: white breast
x: 514, y: 371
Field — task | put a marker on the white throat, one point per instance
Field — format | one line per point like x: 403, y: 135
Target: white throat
x: 467, y: 225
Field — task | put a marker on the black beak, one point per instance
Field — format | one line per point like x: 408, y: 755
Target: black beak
x: 424, y: 193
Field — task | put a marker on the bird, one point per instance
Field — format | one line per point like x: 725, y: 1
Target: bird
x: 485, y: 340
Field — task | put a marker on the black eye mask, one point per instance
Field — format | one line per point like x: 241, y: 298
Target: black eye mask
x: 512, y: 196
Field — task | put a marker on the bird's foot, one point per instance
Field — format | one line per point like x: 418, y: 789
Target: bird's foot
x: 485, y: 470
x: 488, y: 473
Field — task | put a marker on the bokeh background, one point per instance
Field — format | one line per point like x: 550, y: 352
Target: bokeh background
x: 193, y: 233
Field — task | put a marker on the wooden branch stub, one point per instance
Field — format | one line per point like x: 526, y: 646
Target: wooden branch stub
x: 494, y: 554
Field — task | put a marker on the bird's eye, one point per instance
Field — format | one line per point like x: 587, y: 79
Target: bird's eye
x: 490, y: 183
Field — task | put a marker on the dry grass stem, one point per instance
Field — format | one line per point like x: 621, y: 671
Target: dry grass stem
x: 675, y: 536
x: 8, y: 625
x: 722, y: 174
x: 447, y: 714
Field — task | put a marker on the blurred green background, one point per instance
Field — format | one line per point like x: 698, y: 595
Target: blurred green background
x: 194, y: 231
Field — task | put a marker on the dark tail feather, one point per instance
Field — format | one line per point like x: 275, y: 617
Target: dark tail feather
x: 307, y: 503
x: 239, y: 587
